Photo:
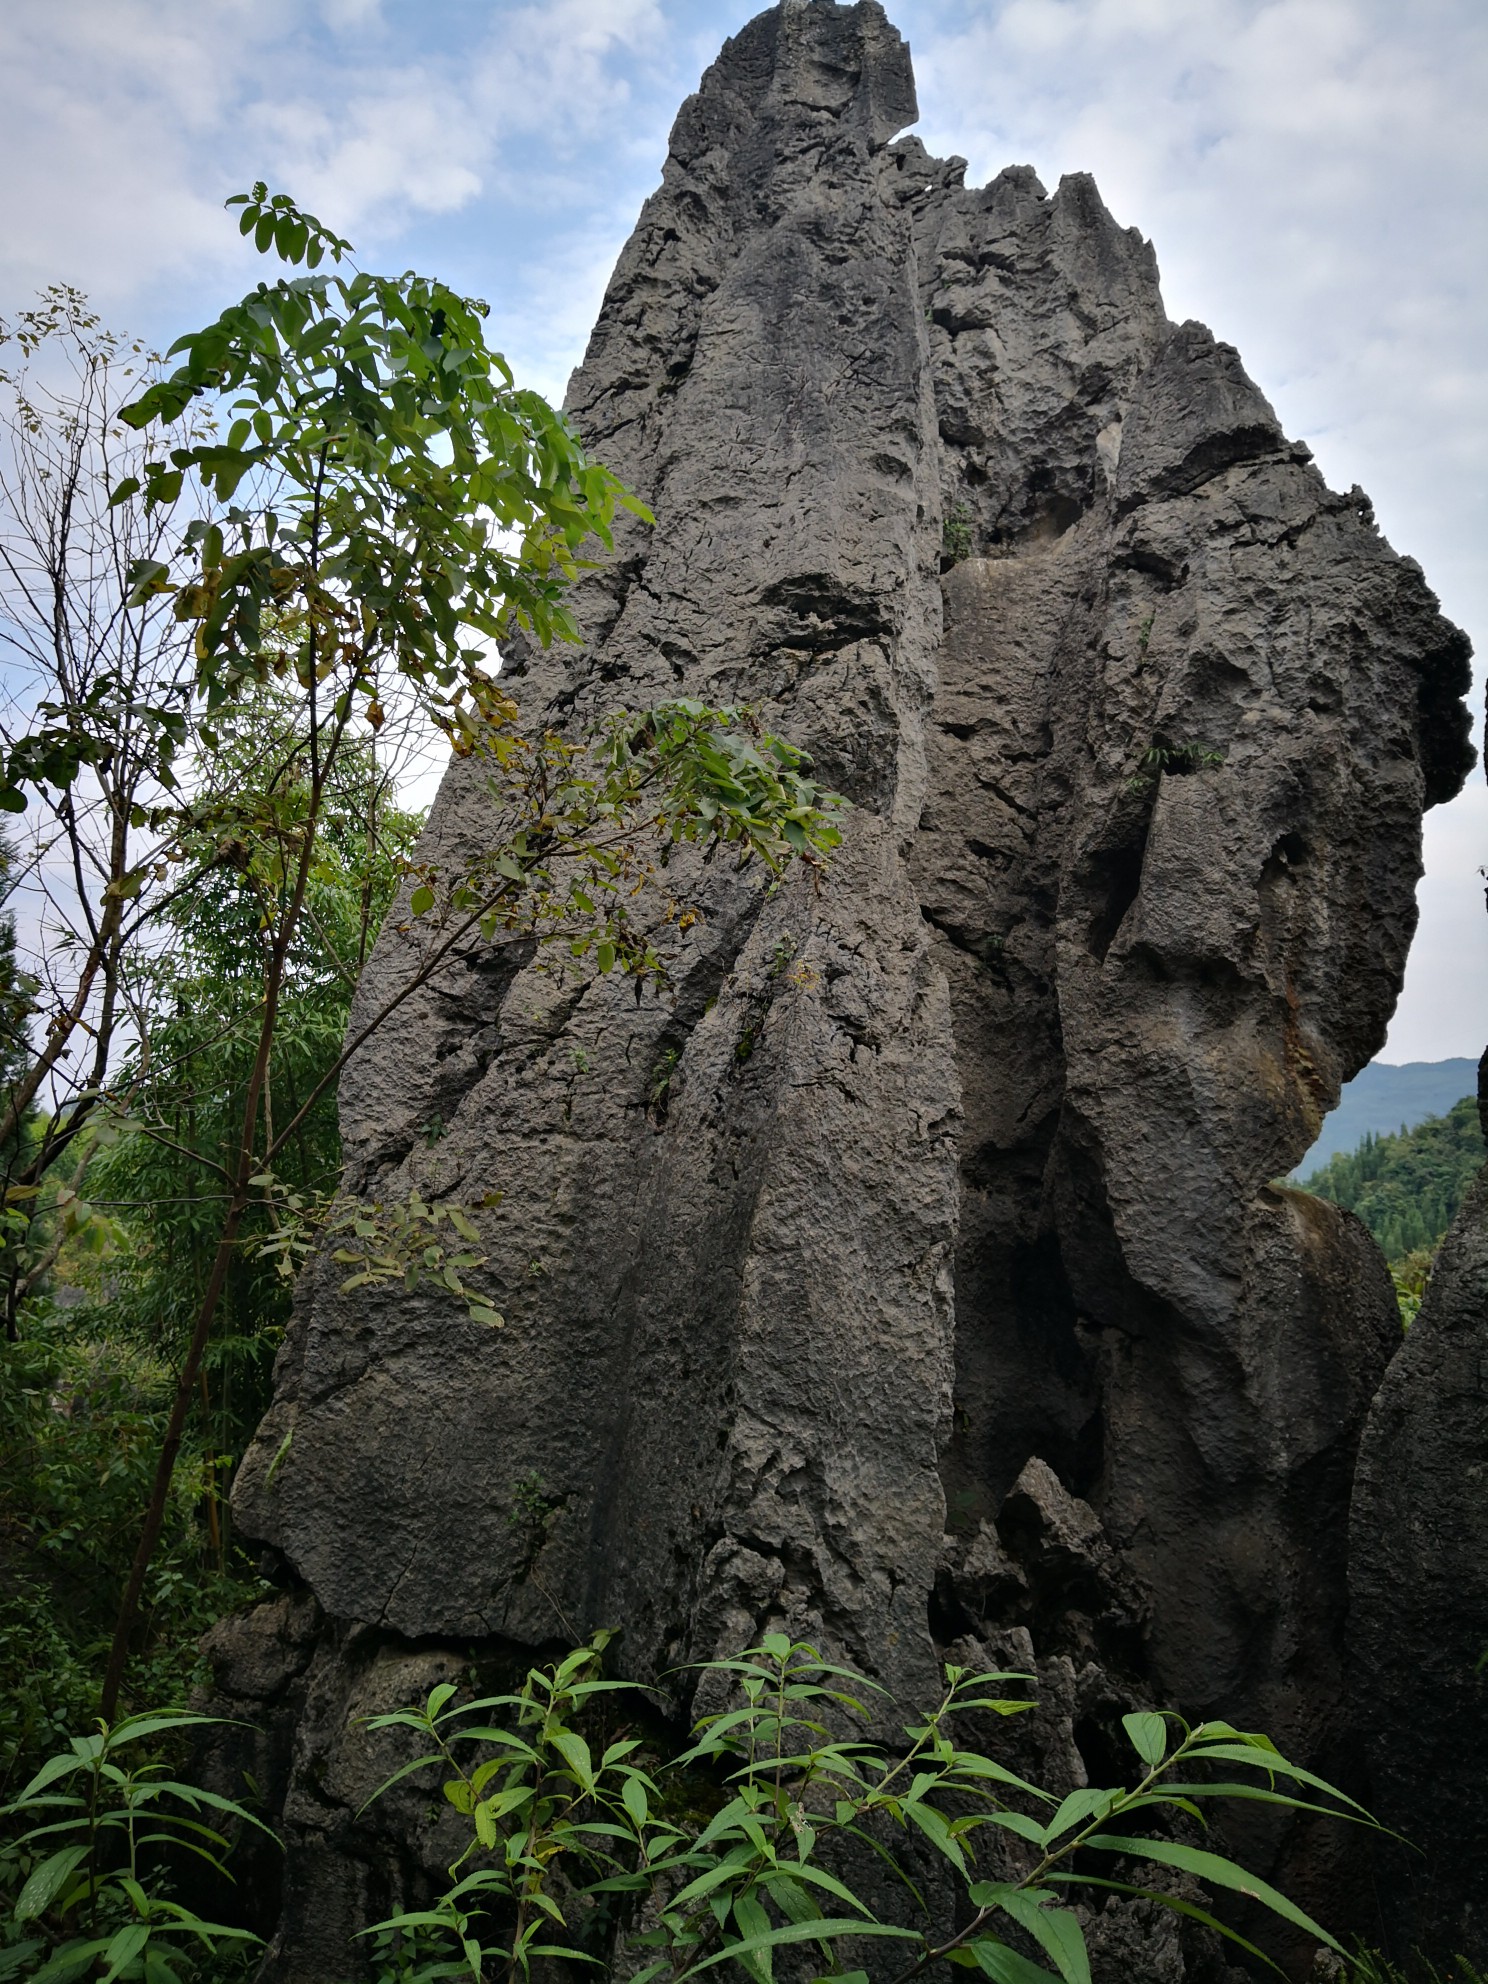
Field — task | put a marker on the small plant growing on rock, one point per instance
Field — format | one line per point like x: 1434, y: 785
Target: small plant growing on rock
x: 955, y: 536
x: 659, y: 1089
x: 1174, y: 759
x: 1369, y: 1967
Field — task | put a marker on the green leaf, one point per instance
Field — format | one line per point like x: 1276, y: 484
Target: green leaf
x: 55, y: 1767
x: 45, y: 1881
x: 422, y: 900
x: 397, y: 1777
x: 1078, y: 1808
x: 936, y: 1829
x: 72, y: 1960
x: 575, y: 1753
x: 817, y: 1877
x: 754, y: 1923
x: 1270, y: 1760
x: 124, y: 1946
x: 1005, y: 1966
x: 802, y: 1932
x: 1255, y: 1792
x: 969, y: 1765
x: 1224, y: 1873
x: 791, y: 1898
x: 1056, y: 1930
x: 1017, y: 1822
x: 739, y: 1860
x: 1148, y: 1735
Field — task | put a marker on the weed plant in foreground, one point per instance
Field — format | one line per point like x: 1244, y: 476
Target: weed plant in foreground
x: 583, y: 1843
x: 592, y: 1857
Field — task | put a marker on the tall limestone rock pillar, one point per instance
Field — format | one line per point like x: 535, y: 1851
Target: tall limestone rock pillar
x: 946, y: 1300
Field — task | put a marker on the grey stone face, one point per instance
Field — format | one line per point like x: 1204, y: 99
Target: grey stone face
x: 964, y: 1166
x: 1418, y: 1623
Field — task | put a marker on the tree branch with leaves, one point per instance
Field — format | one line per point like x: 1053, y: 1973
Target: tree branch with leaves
x: 389, y: 505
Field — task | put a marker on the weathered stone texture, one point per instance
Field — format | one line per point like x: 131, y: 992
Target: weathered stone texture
x: 1418, y: 1626
x: 963, y: 1169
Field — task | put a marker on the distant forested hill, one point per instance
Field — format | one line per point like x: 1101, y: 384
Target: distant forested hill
x: 1406, y: 1187
x: 1385, y: 1097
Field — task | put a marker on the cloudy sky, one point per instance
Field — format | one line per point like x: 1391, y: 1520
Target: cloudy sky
x: 1312, y: 172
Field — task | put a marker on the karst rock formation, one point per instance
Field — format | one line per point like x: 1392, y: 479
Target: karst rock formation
x: 1418, y: 1626
x: 909, y: 1275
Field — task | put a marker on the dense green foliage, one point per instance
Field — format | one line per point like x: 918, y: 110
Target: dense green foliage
x: 17, y: 989
x: 382, y: 506
x: 88, y: 1877
x: 81, y: 1412
x: 1368, y: 1967
x: 584, y: 1850
x: 1406, y: 1188
x: 160, y: 1176
x: 85, y: 1389
x: 592, y: 1837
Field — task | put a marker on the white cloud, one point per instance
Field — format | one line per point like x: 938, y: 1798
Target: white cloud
x: 124, y: 123
x: 398, y: 148
x: 1444, y: 1010
x: 100, y: 105
x: 346, y: 16
x: 1312, y: 172
x: 549, y: 68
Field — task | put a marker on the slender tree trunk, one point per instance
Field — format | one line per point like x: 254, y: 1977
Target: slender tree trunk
x: 165, y: 1466
x: 239, y: 1187
x: 187, y: 1378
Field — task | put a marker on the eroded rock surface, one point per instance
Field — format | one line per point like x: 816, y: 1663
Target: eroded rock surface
x: 947, y: 1297
x: 1419, y: 1620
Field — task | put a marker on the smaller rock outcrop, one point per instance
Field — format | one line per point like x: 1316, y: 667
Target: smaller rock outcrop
x: 1419, y: 1619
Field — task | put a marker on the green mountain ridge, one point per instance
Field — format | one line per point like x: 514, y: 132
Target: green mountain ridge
x: 1406, y: 1186
x: 1388, y: 1096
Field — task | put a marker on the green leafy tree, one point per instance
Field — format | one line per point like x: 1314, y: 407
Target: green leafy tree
x: 17, y: 1006
x: 1406, y: 1188
x: 391, y: 504
x: 92, y: 717
x: 83, y: 1405
x: 85, y: 1393
x: 17, y: 987
x: 163, y: 1175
